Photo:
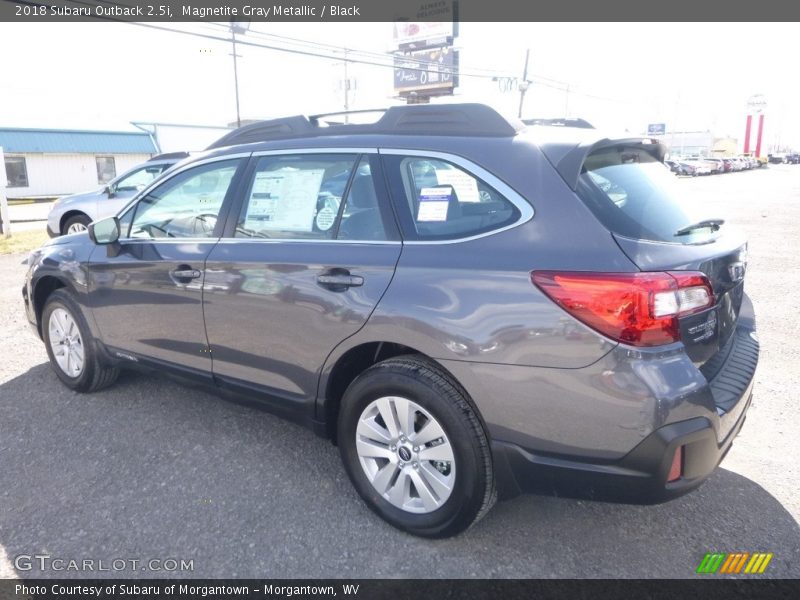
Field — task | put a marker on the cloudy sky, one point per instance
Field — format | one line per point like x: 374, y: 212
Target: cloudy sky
x: 624, y: 76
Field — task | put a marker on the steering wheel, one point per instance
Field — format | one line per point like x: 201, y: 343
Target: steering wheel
x: 205, y: 223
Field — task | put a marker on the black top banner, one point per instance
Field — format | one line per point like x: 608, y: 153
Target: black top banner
x: 396, y: 10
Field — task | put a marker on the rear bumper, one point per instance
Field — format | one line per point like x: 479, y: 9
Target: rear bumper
x: 639, y: 477
x: 641, y: 474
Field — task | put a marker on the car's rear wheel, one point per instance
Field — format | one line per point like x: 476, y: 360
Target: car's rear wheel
x: 70, y: 346
x: 75, y: 224
x: 414, y: 447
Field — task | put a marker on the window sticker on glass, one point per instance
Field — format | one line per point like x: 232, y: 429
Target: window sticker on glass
x: 325, y: 218
x: 433, y: 204
x: 465, y: 185
x: 284, y: 199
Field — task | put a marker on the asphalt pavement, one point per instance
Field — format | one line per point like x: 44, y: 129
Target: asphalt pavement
x: 150, y: 470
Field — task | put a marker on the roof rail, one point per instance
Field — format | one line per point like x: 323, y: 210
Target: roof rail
x: 564, y: 122
x: 315, y: 119
x: 472, y: 120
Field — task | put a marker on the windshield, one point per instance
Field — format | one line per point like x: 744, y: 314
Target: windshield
x: 633, y: 194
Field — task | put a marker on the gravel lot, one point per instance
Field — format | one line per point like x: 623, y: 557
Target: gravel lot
x: 152, y: 470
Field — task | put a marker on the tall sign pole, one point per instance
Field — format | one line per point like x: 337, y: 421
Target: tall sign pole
x: 747, y: 133
x: 760, y: 134
x: 756, y: 104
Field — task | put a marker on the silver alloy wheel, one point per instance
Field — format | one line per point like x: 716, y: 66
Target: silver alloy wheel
x: 405, y: 454
x: 76, y: 228
x: 66, y: 342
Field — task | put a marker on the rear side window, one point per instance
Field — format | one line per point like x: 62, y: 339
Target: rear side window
x: 316, y: 197
x: 296, y: 196
x: 444, y: 201
x: 633, y: 194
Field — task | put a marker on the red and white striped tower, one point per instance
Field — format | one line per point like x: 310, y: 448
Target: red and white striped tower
x: 755, y: 105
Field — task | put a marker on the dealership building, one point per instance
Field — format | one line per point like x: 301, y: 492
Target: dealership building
x: 54, y: 162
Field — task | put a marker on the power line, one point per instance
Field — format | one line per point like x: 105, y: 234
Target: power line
x: 370, y: 58
x: 378, y: 61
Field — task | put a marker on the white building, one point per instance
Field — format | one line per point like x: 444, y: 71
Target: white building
x: 174, y: 137
x: 56, y: 162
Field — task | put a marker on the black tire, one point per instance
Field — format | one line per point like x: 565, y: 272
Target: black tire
x: 95, y: 374
x: 428, y: 385
x: 76, y: 220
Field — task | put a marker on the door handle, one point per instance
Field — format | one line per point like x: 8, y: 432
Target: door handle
x: 185, y: 274
x: 338, y: 282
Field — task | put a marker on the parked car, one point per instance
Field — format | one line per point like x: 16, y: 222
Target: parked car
x: 696, y: 167
x: 437, y: 316
x: 718, y: 165
x: 729, y: 164
x: 711, y: 164
x: 72, y: 214
x: 677, y: 167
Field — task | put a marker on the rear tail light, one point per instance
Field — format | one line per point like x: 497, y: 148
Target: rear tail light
x: 640, y: 309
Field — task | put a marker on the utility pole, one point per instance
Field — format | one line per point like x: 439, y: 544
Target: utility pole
x: 566, y: 102
x: 241, y: 28
x: 346, y: 90
x: 524, y: 84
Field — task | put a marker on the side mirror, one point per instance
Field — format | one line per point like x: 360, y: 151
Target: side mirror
x: 109, y: 189
x: 104, y: 231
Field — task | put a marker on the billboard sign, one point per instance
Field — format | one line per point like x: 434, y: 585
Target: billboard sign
x: 656, y: 129
x: 414, y: 36
x: 436, y: 25
x: 432, y: 71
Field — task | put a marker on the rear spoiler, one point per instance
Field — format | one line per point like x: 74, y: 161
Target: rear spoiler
x: 568, y: 159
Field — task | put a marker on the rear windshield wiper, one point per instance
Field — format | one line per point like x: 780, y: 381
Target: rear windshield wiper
x: 713, y: 224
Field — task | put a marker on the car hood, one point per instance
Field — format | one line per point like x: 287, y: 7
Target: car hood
x: 81, y: 197
x: 72, y: 238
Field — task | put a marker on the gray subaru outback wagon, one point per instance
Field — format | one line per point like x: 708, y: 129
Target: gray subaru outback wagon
x: 469, y: 307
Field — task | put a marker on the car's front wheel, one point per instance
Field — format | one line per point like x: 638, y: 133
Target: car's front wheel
x: 414, y: 447
x: 70, y: 346
x: 75, y: 224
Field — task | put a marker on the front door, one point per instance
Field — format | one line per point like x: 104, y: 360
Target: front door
x: 302, y: 268
x: 146, y: 293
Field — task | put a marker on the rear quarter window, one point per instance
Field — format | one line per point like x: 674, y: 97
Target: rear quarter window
x: 442, y: 201
x: 633, y: 194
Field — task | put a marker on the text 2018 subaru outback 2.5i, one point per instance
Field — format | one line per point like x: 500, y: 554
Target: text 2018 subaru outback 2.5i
x: 465, y: 305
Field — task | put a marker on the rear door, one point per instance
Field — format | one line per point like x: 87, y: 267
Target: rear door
x: 301, y: 267
x: 636, y: 197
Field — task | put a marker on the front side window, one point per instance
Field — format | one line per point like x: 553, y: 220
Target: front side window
x: 187, y: 205
x: 106, y: 168
x: 139, y: 179
x: 445, y: 201
x: 16, y: 171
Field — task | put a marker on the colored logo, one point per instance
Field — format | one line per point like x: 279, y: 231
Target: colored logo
x: 734, y: 563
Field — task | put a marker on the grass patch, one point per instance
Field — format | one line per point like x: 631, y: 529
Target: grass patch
x: 22, y: 241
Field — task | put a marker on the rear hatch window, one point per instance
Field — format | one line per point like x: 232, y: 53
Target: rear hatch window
x: 642, y: 204
x: 634, y: 195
